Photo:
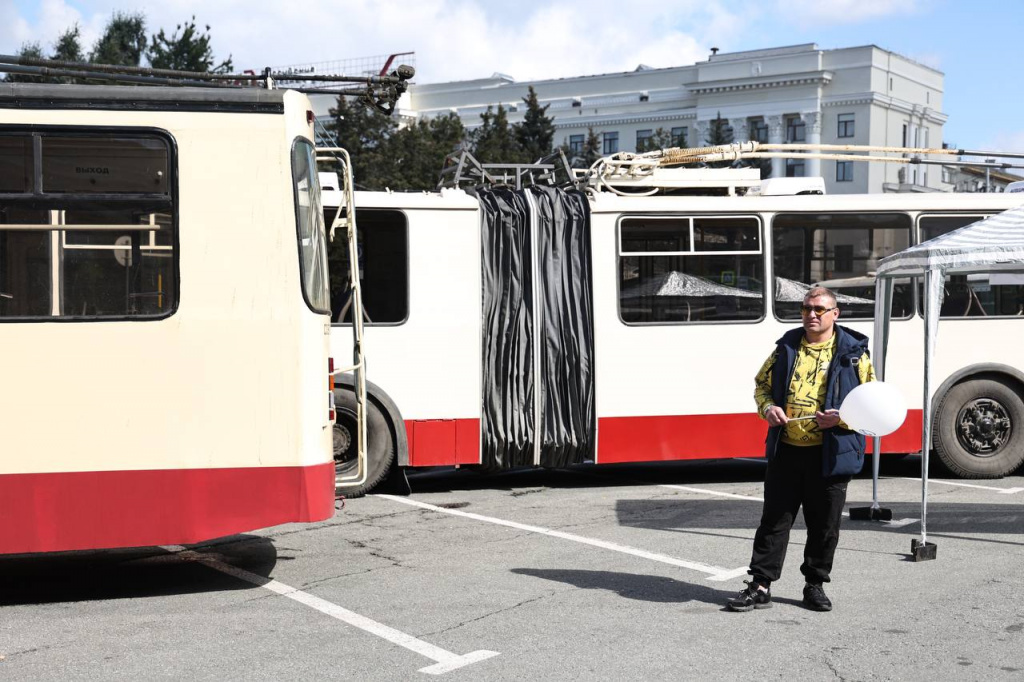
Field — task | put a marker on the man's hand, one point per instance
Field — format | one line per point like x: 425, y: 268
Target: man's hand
x: 826, y: 419
x: 776, y: 416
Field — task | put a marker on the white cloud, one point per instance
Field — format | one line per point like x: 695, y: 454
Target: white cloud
x: 1007, y: 141
x: 812, y: 13
x: 453, y: 39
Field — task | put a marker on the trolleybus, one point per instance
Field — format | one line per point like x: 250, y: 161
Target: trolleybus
x: 542, y: 327
x: 164, y: 316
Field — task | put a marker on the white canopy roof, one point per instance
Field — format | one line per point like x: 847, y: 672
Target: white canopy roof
x: 995, y: 243
x: 677, y: 283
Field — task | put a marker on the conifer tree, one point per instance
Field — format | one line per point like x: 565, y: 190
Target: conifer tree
x: 363, y: 132
x: 537, y: 131
x: 123, y: 41
x: 32, y: 51
x: 494, y: 141
x: 186, y: 50
x: 591, y: 149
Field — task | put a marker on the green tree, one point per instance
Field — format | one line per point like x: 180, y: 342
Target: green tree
x: 719, y: 131
x: 68, y: 47
x: 33, y: 51
x: 123, y: 41
x: 186, y: 50
x: 416, y: 153
x: 591, y: 149
x: 364, y: 133
x: 495, y: 141
x: 661, y: 139
x: 537, y: 131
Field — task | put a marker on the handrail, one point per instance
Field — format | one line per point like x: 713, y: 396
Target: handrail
x: 345, y: 216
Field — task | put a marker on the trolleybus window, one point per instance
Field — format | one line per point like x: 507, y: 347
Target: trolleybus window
x: 15, y: 163
x: 979, y: 295
x: 839, y: 251
x: 690, y: 269
x: 309, y: 216
x: 100, y: 182
x: 97, y: 165
x: 382, y: 237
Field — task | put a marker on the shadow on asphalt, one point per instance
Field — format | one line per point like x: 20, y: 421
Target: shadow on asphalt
x: 448, y: 479
x: 960, y: 520
x: 130, y: 573
x: 652, y: 588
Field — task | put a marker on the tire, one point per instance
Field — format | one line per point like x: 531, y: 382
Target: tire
x: 979, y: 428
x: 380, y: 444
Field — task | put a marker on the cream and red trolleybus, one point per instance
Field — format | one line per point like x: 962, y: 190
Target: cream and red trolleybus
x: 515, y: 323
x: 164, y: 316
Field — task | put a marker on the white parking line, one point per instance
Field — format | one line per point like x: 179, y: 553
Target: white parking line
x: 714, y: 493
x: 445, y: 661
x: 1003, y: 491
x: 714, y: 572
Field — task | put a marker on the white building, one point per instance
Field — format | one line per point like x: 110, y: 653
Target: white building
x: 857, y: 95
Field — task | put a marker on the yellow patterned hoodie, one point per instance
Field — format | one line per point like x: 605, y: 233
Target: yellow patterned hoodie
x: 806, y: 393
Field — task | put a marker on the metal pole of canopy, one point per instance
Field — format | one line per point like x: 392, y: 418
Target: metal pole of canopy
x: 922, y: 550
x: 883, y: 311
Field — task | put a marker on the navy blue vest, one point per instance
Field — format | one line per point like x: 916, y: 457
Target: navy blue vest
x: 843, y: 449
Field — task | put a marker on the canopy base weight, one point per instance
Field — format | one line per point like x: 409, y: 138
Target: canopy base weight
x: 922, y: 551
x: 870, y: 514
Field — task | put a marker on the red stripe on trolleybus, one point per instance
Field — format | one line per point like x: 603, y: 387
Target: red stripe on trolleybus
x: 51, y: 512
x: 710, y: 436
x: 447, y: 442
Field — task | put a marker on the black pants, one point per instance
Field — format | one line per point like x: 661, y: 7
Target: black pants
x: 793, y: 479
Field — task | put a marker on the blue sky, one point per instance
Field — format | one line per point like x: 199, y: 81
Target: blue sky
x: 976, y: 44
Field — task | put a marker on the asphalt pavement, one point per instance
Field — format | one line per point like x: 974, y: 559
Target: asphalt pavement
x: 596, y: 573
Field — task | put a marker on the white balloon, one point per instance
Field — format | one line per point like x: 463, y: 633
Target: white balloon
x: 874, y: 409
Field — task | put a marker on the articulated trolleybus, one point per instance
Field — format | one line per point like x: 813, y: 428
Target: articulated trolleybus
x: 164, y: 313
x: 625, y: 321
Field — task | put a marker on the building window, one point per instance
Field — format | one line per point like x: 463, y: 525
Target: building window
x: 644, y: 140
x: 844, y: 171
x: 839, y: 251
x: 758, y: 130
x: 796, y: 131
x: 690, y: 269
x: 947, y: 175
x: 845, y: 126
x: 576, y: 144
x: 610, y: 143
x: 795, y: 168
x: 679, y: 136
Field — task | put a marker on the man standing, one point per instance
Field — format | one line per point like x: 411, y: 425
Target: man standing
x: 811, y: 454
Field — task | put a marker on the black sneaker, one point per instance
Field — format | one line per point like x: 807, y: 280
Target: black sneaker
x: 749, y: 598
x: 815, y: 599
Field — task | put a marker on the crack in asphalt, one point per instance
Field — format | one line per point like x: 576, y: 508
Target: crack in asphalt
x: 491, y: 613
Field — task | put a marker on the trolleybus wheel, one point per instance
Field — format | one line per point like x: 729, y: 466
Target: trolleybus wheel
x: 979, y: 428
x: 380, y: 445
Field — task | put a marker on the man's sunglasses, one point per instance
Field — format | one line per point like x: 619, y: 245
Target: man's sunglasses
x: 819, y: 310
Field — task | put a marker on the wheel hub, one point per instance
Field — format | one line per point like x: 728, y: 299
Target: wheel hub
x: 983, y: 427
x: 342, y: 440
